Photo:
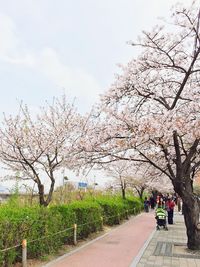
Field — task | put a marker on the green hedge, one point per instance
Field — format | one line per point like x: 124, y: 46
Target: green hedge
x: 88, y: 217
x: 47, y: 229
x: 116, y: 208
x: 68, y: 218
x: 133, y: 204
x: 17, y: 224
x: 111, y: 210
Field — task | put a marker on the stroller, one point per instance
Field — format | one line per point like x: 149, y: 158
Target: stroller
x: 161, y: 218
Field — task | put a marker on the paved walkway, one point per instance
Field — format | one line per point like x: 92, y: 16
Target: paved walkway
x: 168, y: 248
x: 117, y: 248
x: 135, y: 243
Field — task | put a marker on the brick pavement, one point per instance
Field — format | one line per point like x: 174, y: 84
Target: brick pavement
x: 168, y: 248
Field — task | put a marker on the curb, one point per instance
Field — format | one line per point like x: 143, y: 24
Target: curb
x: 139, y: 255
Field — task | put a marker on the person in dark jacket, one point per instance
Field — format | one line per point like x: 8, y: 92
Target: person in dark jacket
x: 146, y: 204
x: 152, y: 202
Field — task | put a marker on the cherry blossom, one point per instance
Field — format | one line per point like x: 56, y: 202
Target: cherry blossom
x: 39, y: 145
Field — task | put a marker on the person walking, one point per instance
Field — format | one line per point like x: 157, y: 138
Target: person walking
x: 152, y: 202
x: 170, y: 204
x: 146, y: 204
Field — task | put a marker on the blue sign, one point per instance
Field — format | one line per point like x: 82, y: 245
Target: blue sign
x: 82, y: 185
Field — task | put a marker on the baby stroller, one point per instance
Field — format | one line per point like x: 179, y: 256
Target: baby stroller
x: 161, y: 218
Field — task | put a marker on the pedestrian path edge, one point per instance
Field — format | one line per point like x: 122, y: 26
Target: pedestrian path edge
x: 139, y: 255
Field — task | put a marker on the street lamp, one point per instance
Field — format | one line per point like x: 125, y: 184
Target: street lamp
x: 65, y: 178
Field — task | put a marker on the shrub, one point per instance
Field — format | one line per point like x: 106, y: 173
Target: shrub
x: 113, y: 209
x: 31, y: 224
x: 47, y: 222
x: 133, y: 204
x: 88, y: 217
x: 68, y: 218
x: 47, y: 229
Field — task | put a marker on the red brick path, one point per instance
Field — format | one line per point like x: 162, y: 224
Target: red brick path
x: 117, y: 249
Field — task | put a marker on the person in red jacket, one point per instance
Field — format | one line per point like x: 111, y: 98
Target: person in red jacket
x: 170, y: 210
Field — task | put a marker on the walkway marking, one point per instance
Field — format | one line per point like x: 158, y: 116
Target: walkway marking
x: 163, y: 249
x: 139, y: 255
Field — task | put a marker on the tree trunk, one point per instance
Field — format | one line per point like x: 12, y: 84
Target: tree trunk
x: 123, y: 187
x: 154, y: 193
x: 123, y: 193
x: 191, y: 216
x: 41, y: 195
x: 141, y: 192
x: 49, y: 198
x: 191, y: 210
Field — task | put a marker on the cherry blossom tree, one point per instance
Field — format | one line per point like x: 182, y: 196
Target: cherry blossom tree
x: 38, y: 146
x: 118, y: 171
x: 146, y: 178
x: 150, y: 114
x: 127, y: 175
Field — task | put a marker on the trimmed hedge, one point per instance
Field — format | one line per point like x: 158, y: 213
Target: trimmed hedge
x: 17, y: 224
x: 47, y: 229
x: 116, y: 208
x: 111, y: 210
x: 68, y: 218
x: 133, y: 204
x: 88, y: 217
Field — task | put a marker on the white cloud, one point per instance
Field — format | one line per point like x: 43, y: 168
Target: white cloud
x: 30, y: 46
x: 77, y: 82
x: 73, y: 80
x: 10, y: 45
x: 9, y: 41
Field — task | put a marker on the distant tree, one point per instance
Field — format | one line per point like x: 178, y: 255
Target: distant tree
x: 118, y: 171
x: 127, y: 175
x: 147, y: 178
x: 39, y: 145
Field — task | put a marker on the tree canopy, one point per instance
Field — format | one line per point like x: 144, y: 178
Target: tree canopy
x: 37, y: 146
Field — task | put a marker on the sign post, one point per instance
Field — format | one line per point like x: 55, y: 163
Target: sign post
x: 82, y: 185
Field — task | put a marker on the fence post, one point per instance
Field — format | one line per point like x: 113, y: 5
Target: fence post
x: 127, y: 214
x: 24, y: 253
x: 101, y: 223
x: 134, y: 211
x: 118, y: 217
x: 75, y: 234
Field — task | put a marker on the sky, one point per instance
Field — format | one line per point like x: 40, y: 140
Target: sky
x: 50, y: 47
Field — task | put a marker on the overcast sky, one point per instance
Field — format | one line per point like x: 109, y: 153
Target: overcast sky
x: 48, y: 47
